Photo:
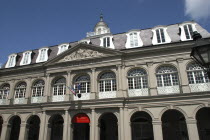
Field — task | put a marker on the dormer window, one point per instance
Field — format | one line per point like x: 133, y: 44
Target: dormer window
x: 187, y: 30
x: 107, y: 42
x: 26, y: 59
x: 62, y: 48
x: 85, y: 41
x: 11, y: 61
x: 43, y: 55
x: 133, y: 40
x: 160, y: 36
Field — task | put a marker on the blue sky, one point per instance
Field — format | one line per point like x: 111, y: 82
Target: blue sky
x: 32, y: 24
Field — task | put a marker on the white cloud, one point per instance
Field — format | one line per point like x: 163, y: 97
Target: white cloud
x: 197, y: 9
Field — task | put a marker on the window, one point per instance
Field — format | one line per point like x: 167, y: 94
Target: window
x: 160, y: 36
x: 59, y: 87
x: 43, y: 55
x: 85, y: 41
x: 84, y: 82
x: 167, y: 76
x: 196, y: 74
x: 26, y: 59
x: 20, y: 90
x: 137, y: 79
x: 187, y: 30
x: 62, y: 48
x: 38, y: 89
x: 4, y: 91
x: 107, y: 42
x: 133, y: 40
x: 107, y: 82
x: 11, y: 61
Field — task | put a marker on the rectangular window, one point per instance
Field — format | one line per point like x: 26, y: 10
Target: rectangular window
x: 133, y: 40
x: 106, y: 42
x: 11, y: 61
x: 188, y: 31
x: 160, y: 36
x: 26, y: 57
x: 42, y: 55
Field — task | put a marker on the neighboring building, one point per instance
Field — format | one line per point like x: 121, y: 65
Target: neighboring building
x: 138, y: 85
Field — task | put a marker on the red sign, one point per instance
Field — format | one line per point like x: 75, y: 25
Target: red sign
x: 81, y: 118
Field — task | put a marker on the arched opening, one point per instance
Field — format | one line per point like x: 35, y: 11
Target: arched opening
x: 1, y: 123
x: 203, y: 123
x: 56, y: 124
x: 81, y: 128
x: 108, y: 127
x: 141, y: 126
x: 15, y: 127
x: 33, y: 127
x: 174, y: 126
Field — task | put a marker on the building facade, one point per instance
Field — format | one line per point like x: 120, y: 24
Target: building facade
x: 138, y: 85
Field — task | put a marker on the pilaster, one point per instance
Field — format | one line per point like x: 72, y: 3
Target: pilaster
x: 11, y: 92
x: 28, y: 90
x: 5, y: 131
x: 157, y: 130
x: 68, y: 84
x: 47, y: 88
x: 122, y: 124
x: 119, y: 81
x: 192, y: 129
x: 66, y: 123
x: 22, y: 134
x: 93, y: 84
x: 92, y: 126
x: 42, y: 126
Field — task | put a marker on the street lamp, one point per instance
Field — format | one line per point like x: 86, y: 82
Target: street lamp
x: 201, y: 52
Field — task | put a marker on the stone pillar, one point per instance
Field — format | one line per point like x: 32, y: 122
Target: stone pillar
x: 68, y: 84
x: 92, y: 125
x: 47, y: 92
x: 119, y: 81
x: 22, y: 134
x: 42, y: 126
x: 184, y: 85
x: 93, y: 84
x: 121, y: 124
x: 5, y: 131
x: 97, y: 133
x: 124, y: 81
x: 66, y: 123
x: 28, y: 91
x: 127, y: 125
x: 152, y: 81
x: 11, y: 92
x: 157, y: 130
x: 192, y: 129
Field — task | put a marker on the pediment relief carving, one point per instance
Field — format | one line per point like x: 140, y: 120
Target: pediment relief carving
x: 82, y: 54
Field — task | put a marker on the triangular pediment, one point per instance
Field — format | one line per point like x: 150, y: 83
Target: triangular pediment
x: 83, y: 52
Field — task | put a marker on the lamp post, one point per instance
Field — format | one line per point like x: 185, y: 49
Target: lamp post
x: 201, y: 52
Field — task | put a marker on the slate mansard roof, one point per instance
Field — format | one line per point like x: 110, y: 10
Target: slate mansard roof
x: 119, y: 40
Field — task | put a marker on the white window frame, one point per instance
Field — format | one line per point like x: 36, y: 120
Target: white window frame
x: 103, y: 83
x: 26, y: 59
x: 11, y: 61
x: 4, y: 91
x: 38, y: 89
x: 111, y: 42
x: 57, y: 87
x: 183, y: 35
x: 128, y: 42
x: 85, y: 84
x: 155, y: 40
x: 85, y: 41
x: 40, y: 57
x: 62, y: 48
x: 20, y: 90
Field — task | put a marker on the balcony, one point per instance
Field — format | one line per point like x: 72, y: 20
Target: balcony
x: 138, y: 92
x: 19, y: 101
x: 38, y: 99
x: 168, y: 90
x: 58, y: 98
x: 107, y: 94
x: 3, y: 101
x: 84, y: 96
x: 201, y: 87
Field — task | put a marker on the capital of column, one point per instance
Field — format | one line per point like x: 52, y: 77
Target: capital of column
x: 149, y: 64
x: 156, y: 122
x: 179, y: 60
x: 68, y: 72
x: 23, y: 124
x: 93, y: 110
x: 93, y: 69
x: 191, y: 121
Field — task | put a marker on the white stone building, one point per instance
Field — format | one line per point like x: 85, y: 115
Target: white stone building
x: 138, y: 85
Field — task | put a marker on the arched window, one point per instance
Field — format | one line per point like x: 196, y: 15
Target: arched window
x: 137, y: 79
x: 167, y: 76
x: 196, y: 74
x: 107, y: 82
x: 84, y: 82
x: 4, y: 91
x: 20, y: 90
x: 38, y: 88
x: 59, y: 87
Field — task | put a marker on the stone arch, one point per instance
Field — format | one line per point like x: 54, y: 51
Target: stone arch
x: 134, y: 67
x: 105, y: 71
x: 197, y: 109
x: 104, y: 113
x: 14, y: 130
x: 33, y: 127
x: 13, y: 115
x: 144, y: 110
x: 18, y: 82
x: 56, y: 78
x: 80, y: 74
x: 166, y: 64
x: 173, y: 108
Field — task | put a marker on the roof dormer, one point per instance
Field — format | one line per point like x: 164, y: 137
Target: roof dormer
x: 133, y: 39
x: 62, y: 48
x: 11, y: 61
x: 43, y: 55
x: 187, y: 30
x: 107, y: 42
x: 160, y: 35
x: 26, y: 59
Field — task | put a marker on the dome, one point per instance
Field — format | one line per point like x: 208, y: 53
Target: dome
x: 101, y: 27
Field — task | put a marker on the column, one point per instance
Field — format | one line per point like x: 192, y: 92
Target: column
x: 42, y: 126
x: 152, y: 79
x: 5, y: 131
x: 93, y: 84
x: 127, y: 125
x: 47, y: 88
x: 66, y: 124
x: 124, y: 81
x: 119, y: 81
x: 92, y: 125
x: 184, y: 85
x: 192, y: 129
x: 22, y: 134
x: 11, y: 92
x: 68, y: 84
x: 28, y: 90
x: 157, y: 130
x: 121, y: 124
x: 97, y: 132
